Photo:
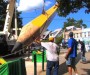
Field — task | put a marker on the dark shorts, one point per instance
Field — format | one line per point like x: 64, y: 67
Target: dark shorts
x: 71, y: 62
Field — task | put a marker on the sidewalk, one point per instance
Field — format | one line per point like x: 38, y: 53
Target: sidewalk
x: 83, y: 69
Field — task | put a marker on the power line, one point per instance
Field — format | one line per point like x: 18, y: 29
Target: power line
x: 55, y: 19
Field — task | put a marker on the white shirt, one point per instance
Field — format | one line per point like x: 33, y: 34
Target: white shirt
x: 51, y: 52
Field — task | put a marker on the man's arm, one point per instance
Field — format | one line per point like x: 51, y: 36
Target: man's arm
x: 68, y: 52
x: 70, y: 44
x: 45, y: 44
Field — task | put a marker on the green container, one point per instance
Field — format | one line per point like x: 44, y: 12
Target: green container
x: 15, y: 67
x: 38, y: 56
x: 4, y: 69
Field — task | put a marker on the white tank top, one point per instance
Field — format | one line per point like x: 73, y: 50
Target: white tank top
x: 51, y: 52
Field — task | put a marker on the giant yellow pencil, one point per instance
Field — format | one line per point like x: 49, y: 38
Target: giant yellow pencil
x: 33, y: 29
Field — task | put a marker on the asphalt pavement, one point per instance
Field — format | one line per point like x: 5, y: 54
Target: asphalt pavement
x: 83, y: 69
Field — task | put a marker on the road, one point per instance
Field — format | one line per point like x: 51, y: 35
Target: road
x: 83, y: 69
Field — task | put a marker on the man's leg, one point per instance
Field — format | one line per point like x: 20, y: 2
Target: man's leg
x: 73, y: 65
x: 75, y: 70
x: 56, y: 66
x: 68, y: 63
x: 70, y: 70
x: 83, y: 57
x: 49, y: 67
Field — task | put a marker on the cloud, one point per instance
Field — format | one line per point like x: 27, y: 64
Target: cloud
x: 28, y: 5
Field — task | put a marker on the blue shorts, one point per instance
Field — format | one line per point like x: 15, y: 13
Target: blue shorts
x: 71, y: 62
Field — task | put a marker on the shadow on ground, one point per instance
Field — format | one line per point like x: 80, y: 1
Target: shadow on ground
x: 86, y: 70
x: 63, y: 67
x: 88, y: 62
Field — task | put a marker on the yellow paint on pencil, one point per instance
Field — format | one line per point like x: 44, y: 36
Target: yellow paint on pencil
x: 40, y: 20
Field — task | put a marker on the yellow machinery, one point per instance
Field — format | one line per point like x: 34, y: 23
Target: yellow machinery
x: 35, y: 28
x: 2, y: 61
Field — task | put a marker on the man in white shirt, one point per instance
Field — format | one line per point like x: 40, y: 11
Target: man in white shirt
x: 52, y: 54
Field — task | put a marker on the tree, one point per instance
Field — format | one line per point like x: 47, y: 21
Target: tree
x: 3, y: 6
x: 59, y: 39
x: 19, y: 20
x: 73, y: 22
x: 72, y: 6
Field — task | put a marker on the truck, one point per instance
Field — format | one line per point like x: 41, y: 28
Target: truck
x: 8, y: 35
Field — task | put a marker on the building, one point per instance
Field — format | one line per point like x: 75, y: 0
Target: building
x: 45, y: 35
x: 77, y: 32
x: 86, y: 36
x: 56, y: 33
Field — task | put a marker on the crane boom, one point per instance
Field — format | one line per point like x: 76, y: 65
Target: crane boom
x: 34, y: 28
x: 9, y: 15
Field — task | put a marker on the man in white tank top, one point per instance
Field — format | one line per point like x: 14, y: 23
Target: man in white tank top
x: 52, y: 54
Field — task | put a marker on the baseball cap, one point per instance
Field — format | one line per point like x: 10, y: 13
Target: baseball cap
x: 51, y: 38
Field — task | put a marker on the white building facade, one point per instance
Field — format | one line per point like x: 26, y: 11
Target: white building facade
x: 86, y: 34
x: 80, y: 34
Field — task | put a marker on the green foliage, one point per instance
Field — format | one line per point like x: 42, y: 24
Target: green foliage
x: 3, y: 6
x: 45, y: 40
x: 73, y: 22
x: 72, y: 6
x: 1, y: 1
x: 19, y: 20
x: 59, y: 39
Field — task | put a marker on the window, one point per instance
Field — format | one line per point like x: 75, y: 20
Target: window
x: 84, y: 34
x: 89, y: 33
x: 80, y: 34
x: 77, y: 35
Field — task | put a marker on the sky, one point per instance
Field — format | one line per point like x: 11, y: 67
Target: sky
x: 33, y: 8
